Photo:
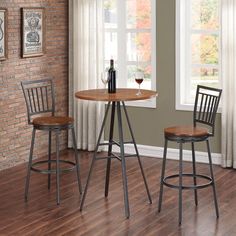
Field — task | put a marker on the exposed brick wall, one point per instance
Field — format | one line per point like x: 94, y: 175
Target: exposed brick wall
x: 15, y: 133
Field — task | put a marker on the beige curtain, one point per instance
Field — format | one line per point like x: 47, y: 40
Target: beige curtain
x: 85, y: 66
x: 229, y: 83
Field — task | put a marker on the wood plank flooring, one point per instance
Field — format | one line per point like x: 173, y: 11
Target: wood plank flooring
x: 101, y: 216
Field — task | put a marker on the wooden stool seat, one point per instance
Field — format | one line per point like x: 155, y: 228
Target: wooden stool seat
x: 186, y: 132
x: 53, y: 121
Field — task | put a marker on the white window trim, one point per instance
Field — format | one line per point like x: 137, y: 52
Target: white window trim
x: 179, y: 65
x: 180, y: 58
x: 149, y: 103
x: 178, y: 29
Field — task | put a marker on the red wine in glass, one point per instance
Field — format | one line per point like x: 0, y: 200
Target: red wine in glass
x: 139, y: 79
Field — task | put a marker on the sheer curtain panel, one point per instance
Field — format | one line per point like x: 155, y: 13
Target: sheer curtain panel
x: 85, y: 66
x: 229, y: 83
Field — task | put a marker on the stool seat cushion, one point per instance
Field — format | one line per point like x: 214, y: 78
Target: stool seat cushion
x: 186, y: 131
x: 53, y: 121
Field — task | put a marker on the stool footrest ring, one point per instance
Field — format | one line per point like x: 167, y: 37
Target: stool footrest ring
x: 52, y: 171
x: 198, y: 186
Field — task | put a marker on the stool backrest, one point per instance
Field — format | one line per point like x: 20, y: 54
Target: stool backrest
x: 39, y: 97
x: 206, y: 104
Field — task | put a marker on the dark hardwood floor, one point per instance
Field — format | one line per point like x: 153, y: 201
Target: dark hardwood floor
x: 101, y: 216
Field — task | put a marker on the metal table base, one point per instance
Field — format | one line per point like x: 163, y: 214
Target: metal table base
x: 116, y: 106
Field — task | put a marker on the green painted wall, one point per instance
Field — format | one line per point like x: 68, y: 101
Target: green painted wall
x: 148, y: 124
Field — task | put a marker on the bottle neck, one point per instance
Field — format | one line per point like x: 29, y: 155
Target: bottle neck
x: 111, y: 63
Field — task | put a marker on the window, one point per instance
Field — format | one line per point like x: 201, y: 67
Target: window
x: 130, y: 39
x: 197, y: 48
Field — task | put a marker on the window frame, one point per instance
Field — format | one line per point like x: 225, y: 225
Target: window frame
x: 122, y: 51
x: 181, y: 70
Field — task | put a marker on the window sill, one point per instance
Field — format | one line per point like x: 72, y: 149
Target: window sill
x: 190, y: 107
x: 184, y: 107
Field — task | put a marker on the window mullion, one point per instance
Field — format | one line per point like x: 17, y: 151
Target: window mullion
x: 205, y: 65
x: 188, y: 58
x: 153, y: 38
x: 206, y: 32
x: 121, y: 38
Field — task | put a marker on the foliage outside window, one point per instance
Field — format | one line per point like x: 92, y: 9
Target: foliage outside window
x: 197, y: 48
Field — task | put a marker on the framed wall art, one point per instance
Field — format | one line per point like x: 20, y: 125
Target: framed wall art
x: 3, y: 34
x: 33, y: 32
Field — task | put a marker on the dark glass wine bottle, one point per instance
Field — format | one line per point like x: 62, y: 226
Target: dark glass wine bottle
x: 112, y: 78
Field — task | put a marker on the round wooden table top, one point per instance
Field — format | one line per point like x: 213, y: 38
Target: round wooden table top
x: 122, y: 94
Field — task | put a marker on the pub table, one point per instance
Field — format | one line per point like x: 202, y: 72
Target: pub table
x: 115, y: 101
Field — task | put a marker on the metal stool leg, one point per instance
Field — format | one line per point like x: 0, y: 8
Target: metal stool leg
x: 76, y: 160
x: 162, y: 176
x: 94, y: 158
x: 213, y: 181
x: 180, y: 180
x: 29, y: 165
x: 194, y: 174
x: 124, y: 176
x: 110, y: 148
x: 49, y: 157
x: 57, y: 166
x: 137, y: 153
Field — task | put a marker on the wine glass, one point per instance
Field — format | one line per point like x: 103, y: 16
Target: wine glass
x: 105, y: 79
x: 139, y: 79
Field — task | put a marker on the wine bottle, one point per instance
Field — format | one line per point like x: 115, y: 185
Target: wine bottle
x: 112, y: 78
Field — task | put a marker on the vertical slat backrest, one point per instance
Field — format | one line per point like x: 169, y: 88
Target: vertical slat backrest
x: 39, y: 97
x: 206, y: 106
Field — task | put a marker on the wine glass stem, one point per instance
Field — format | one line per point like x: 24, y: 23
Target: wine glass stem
x: 139, y: 89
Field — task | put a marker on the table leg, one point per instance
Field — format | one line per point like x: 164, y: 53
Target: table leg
x: 137, y: 153
x: 122, y: 152
x: 110, y: 148
x: 94, y: 157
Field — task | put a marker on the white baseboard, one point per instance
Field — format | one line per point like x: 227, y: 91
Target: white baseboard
x: 172, y: 154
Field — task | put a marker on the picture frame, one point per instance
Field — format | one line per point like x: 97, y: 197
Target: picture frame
x: 33, y: 32
x: 3, y: 34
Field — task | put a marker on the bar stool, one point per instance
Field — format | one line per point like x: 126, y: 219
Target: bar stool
x: 205, y: 108
x: 40, y: 102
